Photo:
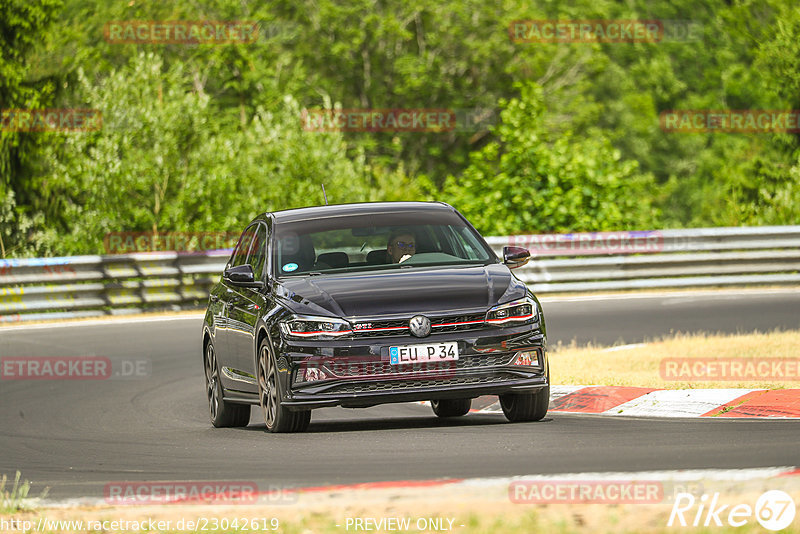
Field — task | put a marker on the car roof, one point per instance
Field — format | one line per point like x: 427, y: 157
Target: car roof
x: 362, y: 208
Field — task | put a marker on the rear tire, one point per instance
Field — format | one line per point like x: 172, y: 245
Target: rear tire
x: 451, y: 407
x: 223, y: 414
x: 277, y: 417
x: 519, y: 407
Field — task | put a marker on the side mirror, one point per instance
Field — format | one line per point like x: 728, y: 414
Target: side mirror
x: 242, y: 276
x: 515, y: 256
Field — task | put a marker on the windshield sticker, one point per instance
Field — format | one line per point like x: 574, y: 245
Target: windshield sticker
x: 289, y: 267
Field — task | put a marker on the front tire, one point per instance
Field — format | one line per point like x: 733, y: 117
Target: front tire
x: 451, y: 407
x: 519, y: 407
x: 223, y: 414
x: 277, y: 417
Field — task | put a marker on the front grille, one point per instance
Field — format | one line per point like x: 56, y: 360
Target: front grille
x: 395, y: 385
x: 381, y: 328
x: 457, y: 323
x: 447, y: 323
x: 350, y: 369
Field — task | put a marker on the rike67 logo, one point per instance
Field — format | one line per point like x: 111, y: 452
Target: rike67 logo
x: 774, y: 510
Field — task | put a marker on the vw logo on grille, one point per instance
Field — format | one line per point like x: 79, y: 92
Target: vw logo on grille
x: 420, y: 325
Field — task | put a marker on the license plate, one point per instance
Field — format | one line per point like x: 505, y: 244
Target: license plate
x: 432, y: 352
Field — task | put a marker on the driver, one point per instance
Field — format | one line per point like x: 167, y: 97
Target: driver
x: 401, y: 246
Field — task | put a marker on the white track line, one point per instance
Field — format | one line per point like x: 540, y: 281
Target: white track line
x: 677, y: 402
x: 624, y: 347
x: 106, y: 321
x: 670, y: 294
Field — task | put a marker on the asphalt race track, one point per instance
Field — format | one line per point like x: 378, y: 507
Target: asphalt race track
x: 76, y: 436
x: 635, y: 317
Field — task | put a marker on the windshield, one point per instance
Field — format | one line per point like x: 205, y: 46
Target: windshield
x: 377, y: 242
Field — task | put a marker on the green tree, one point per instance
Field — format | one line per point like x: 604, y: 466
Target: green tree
x: 201, y: 117
x: 532, y: 181
x: 23, y: 26
x: 164, y: 160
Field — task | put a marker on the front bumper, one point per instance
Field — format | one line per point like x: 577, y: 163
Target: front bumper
x: 356, y: 372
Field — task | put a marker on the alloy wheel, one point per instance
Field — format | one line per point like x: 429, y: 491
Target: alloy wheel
x: 212, y: 379
x: 267, y: 387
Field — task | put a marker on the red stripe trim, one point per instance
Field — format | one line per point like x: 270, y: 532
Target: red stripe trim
x: 793, y: 472
x: 514, y: 318
x: 379, y: 329
x: 378, y: 485
x: 597, y: 399
x: 728, y: 406
x: 326, y: 332
x: 770, y: 403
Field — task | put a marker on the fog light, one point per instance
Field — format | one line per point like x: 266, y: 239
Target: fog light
x: 526, y: 358
x: 312, y: 374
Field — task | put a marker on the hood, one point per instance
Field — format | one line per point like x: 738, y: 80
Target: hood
x: 431, y: 290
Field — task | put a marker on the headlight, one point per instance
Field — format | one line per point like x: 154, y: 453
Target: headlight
x: 519, y: 311
x: 301, y: 326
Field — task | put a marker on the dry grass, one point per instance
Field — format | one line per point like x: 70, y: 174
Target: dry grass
x: 479, y: 509
x: 640, y: 365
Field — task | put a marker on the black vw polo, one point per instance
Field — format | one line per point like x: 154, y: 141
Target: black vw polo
x: 362, y: 304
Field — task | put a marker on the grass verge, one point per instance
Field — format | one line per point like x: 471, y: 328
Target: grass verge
x: 15, y: 498
x: 484, y: 508
x: 640, y: 365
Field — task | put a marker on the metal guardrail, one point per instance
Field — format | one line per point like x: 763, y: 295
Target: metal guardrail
x: 699, y: 257
x: 85, y: 286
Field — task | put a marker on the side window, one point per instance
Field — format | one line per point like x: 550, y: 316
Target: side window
x: 239, y: 255
x: 258, y: 252
x: 468, y: 247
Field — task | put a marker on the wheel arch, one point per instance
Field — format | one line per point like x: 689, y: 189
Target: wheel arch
x: 206, y: 340
x: 261, y: 335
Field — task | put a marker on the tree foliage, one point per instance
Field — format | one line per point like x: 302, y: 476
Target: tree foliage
x: 532, y: 180
x: 202, y: 137
x: 163, y: 161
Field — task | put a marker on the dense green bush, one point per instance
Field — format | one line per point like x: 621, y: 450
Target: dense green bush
x: 531, y: 180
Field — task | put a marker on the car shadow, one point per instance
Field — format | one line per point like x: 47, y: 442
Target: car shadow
x: 398, y: 423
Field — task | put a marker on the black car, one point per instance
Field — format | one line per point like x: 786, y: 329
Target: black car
x: 356, y: 305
